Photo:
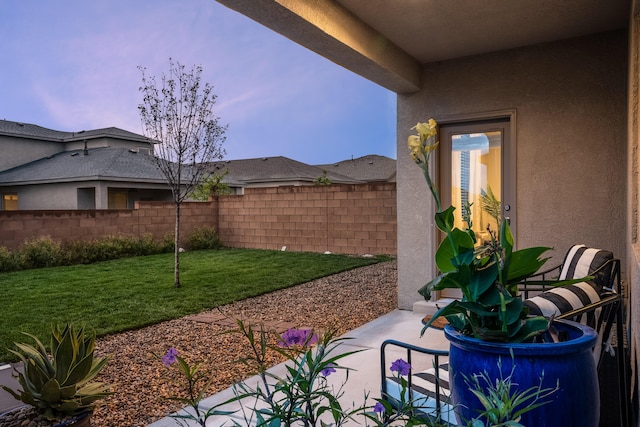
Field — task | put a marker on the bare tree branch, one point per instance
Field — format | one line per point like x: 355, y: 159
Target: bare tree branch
x: 178, y: 116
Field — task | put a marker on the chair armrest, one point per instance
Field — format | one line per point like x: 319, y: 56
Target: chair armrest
x: 410, y: 349
x: 607, y: 300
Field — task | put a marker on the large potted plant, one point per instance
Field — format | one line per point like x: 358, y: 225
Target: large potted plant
x: 490, y: 325
x: 57, y: 385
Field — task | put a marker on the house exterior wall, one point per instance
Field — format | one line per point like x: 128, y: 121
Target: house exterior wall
x: 569, y: 100
x: 138, y: 192
x: 351, y: 219
x: 18, y: 151
x: 55, y: 196
x: 107, y: 142
x: 64, y: 195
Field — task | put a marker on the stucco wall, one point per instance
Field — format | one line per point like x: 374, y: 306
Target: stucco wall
x: 65, y: 195
x: 16, y: 152
x: 54, y: 196
x: 570, y: 103
x: 107, y: 142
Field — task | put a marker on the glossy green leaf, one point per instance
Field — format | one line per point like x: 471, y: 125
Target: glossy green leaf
x: 524, y: 263
x: 531, y: 327
x: 453, y: 308
x: 482, y: 280
x: 445, y: 219
x: 459, y: 242
x: 506, y: 238
x: 513, y: 311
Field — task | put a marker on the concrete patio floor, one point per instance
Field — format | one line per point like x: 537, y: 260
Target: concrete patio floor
x: 7, y: 402
x: 401, y: 325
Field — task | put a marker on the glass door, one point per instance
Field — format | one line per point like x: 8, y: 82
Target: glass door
x: 474, y: 177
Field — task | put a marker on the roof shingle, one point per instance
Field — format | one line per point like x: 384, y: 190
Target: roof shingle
x: 27, y: 130
x: 99, y: 163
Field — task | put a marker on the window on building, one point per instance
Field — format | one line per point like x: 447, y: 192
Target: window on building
x: 118, y: 199
x: 10, y: 201
x: 87, y: 198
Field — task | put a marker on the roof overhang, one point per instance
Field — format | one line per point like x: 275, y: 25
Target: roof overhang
x: 388, y: 41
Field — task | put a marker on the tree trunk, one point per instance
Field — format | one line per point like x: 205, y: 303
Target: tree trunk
x: 176, y: 271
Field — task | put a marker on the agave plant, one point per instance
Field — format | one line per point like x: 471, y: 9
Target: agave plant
x: 59, y: 384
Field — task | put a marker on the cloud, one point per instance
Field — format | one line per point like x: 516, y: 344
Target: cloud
x: 74, y: 66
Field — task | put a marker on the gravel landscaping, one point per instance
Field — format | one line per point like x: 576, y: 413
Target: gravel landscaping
x: 141, y: 384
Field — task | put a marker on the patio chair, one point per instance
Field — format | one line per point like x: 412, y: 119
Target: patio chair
x: 594, y: 302
x: 428, y: 390
x: 597, y: 303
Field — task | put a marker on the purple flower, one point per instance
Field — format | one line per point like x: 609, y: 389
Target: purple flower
x: 378, y: 408
x: 298, y: 337
x: 401, y: 367
x: 170, y: 357
x: 328, y: 370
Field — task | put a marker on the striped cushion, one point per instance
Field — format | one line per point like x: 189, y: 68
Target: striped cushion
x: 581, y: 261
x: 557, y: 301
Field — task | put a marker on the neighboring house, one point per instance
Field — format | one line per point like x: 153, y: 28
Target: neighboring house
x: 370, y: 168
x: 281, y: 171
x: 551, y: 86
x: 43, y: 169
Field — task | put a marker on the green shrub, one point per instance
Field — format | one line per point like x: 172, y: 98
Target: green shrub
x: 8, y: 260
x: 40, y: 252
x: 114, y: 247
x: 145, y: 245
x: 168, y: 243
x: 203, y: 238
x: 45, y: 252
x: 111, y: 247
x: 78, y: 252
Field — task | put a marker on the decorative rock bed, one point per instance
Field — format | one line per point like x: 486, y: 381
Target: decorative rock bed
x: 342, y: 301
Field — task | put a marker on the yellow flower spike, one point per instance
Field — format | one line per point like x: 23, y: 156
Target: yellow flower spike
x: 415, y: 148
x: 414, y: 143
x: 426, y: 130
x: 430, y: 148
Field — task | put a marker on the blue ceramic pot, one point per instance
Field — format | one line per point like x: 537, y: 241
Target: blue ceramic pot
x: 569, y: 363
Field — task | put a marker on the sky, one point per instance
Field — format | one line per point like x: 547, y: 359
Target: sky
x: 72, y: 65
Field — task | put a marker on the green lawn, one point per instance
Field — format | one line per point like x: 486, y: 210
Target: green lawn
x: 130, y: 293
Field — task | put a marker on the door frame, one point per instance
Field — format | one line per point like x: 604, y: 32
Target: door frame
x: 509, y: 169
x: 509, y: 156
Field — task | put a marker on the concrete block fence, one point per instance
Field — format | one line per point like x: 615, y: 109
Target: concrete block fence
x: 350, y: 219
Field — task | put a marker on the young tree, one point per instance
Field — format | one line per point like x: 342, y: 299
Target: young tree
x: 212, y: 186
x: 178, y: 117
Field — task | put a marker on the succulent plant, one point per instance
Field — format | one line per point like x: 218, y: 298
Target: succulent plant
x: 59, y: 384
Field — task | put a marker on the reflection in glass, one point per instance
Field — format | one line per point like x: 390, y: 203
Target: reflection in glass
x: 475, y: 178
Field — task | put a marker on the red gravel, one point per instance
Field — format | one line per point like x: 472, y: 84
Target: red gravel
x: 141, y: 384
